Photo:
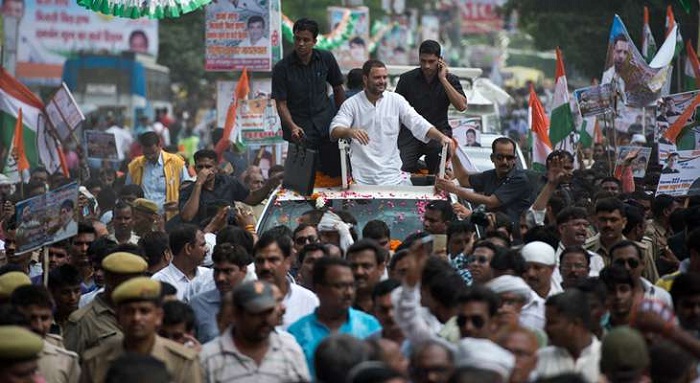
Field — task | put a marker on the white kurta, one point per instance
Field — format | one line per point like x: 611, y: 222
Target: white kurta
x: 379, y: 162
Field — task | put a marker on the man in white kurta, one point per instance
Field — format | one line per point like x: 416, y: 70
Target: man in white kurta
x: 372, y: 120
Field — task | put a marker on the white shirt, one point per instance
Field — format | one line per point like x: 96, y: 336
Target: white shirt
x: 262, y: 42
x: 300, y: 302
x: 532, y: 313
x: 186, y: 288
x: 656, y: 292
x: 379, y: 163
x: 556, y: 361
x: 89, y: 297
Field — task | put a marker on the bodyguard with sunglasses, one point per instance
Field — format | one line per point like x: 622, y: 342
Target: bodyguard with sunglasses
x: 627, y: 254
x: 504, y: 188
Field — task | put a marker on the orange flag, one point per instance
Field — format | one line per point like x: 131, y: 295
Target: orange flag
x: 675, y: 129
x: 18, y: 144
x: 242, y: 90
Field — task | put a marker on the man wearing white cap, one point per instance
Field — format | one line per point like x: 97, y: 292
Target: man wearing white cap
x: 483, y: 354
x: 516, y: 303
x: 540, y: 263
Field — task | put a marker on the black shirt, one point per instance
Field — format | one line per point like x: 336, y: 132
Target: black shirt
x: 226, y: 188
x: 514, y: 191
x: 304, y: 89
x: 428, y: 99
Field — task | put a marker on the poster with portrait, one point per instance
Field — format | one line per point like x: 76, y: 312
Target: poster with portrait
x: 639, y: 164
x: 353, y: 51
x: 466, y: 130
x: 668, y: 110
x: 680, y: 175
x: 239, y: 33
x: 47, y: 218
x: 633, y: 120
x: 51, y: 31
x: 594, y: 100
x: 635, y: 82
x: 259, y: 88
x: 101, y: 145
x: 64, y: 113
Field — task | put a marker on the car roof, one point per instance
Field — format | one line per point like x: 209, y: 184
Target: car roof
x: 355, y: 191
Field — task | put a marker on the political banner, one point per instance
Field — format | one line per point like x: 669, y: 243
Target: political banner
x: 258, y: 121
x: 467, y: 130
x: 635, y: 82
x: 594, y: 100
x: 680, y: 175
x: 243, y: 33
x: 480, y: 16
x: 64, y: 113
x: 353, y: 51
x: 225, y: 90
x: 668, y: 110
x: 50, y: 31
x: 639, y: 163
x: 633, y: 120
x: 47, y: 218
x: 101, y: 145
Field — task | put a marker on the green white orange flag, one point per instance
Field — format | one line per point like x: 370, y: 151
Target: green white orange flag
x: 13, y: 97
x: 562, y: 121
x: 18, y: 144
x: 670, y: 23
x: 648, y: 42
x: 229, y: 136
x: 539, y: 124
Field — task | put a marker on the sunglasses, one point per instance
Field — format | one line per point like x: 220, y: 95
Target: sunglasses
x: 303, y: 240
x: 476, y: 320
x: 631, y: 262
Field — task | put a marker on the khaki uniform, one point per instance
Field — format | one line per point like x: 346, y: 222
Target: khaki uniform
x: 58, y: 365
x: 55, y: 340
x: 182, y: 363
x: 90, y: 326
x: 650, y: 271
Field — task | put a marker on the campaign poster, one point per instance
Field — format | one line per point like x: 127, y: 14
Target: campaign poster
x: 594, y: 100
x: 258, y: 122
x: 239, y: 34
x: 633, y: 120
x: 680, y: 175
x: 64, y: 113
x: 47, y: 218
x: 639, y: 163
x: 634, y: 82
x: 668, y: 110
x: 354, y: 51
x: 51, y: 31
x: 259, y: 88
x: 480, y: 16
x: 467, y: 131
x: 101, y: 145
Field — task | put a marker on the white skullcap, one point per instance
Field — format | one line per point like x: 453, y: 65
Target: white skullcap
x: 331, y: 222
x: 485, y: 355
x: 539, y: 252
x: 510, y: 284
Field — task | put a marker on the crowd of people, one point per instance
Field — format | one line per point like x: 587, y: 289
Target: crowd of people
x: 568, y: 276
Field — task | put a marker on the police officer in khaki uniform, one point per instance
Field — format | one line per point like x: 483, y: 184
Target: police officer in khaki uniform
x: 94, y: 323
x: 19, y: 350
x: 139, y: 313
x: 9, y: 282
x: 56, y: 364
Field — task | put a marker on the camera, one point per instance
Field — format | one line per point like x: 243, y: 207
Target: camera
x: 478, y: 216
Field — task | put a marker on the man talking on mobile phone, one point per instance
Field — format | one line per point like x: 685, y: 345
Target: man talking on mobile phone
x: 430, y: 89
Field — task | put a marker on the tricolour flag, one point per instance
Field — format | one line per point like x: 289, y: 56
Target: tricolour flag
x: 229, y: 136
x: 670, y: 23
x: 541, y: 146
x: 562, y: 121
x: 13, y: 97
x: 692, y: 68
x: 648, y: 42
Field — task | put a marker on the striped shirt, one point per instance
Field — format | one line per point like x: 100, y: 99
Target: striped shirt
x: 283, y: 362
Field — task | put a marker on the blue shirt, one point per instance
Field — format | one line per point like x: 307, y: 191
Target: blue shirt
x: 309, y: 332
x: 206, y: 306
x: 154, y: 182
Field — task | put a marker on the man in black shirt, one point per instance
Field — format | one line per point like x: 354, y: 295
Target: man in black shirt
x: 197, y: 199
x: 430, y: 90
x: 299, y: 86
x: 504, y: 189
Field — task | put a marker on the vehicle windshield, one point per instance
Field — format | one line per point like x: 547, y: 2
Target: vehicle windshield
x: 403, y: 216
